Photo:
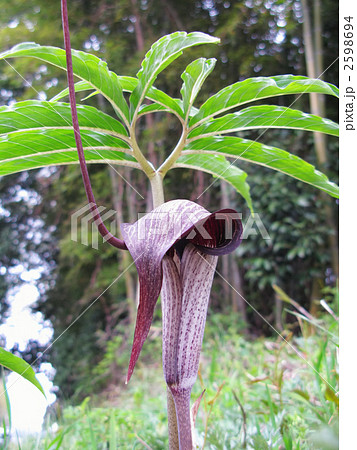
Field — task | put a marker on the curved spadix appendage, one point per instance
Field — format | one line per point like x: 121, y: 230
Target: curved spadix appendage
x: 167, y: 230
x: 114, y: 241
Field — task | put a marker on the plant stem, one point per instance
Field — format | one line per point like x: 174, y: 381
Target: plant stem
x: 157, y: 189
x: 182, y: 404
x: 157, y: 192
x: 147, y: 168
x: 172, y: 422
x: 170, y: 161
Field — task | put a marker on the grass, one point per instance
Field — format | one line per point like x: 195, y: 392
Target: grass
x: 268, y: 393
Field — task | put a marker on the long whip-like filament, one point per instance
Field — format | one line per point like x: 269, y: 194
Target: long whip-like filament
x: 115, y: 242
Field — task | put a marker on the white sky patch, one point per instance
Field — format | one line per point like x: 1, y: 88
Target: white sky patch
x: 280, y: 36
x: 22, y: 324
x: 28, y: 405
x: 30, y: 275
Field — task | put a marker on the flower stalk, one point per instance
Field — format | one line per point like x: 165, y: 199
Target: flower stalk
x: 185, y: 294
x: 157, y: 189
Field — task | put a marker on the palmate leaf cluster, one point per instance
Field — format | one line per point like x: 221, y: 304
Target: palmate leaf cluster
x: 36, y: 133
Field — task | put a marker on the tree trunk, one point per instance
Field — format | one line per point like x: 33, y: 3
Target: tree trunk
x: 314, y: 65
x: 230, y: 270
x: 313, y: 57
x: 149, y: 119
x: 124, y: 259
x: 238, y: 302
x: 278, y: 312
x: 225, y: 272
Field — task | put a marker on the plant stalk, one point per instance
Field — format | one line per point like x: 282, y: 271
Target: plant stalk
x: 172, y: 422
x: 172, y: 406
x: 172, y: 158
x: 182, y: 404
x: 147, y: 168
x: 157, y: 189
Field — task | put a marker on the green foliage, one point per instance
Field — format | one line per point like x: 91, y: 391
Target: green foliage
x: 99, y: 147
x: 265, y: 116
x: 258, y: 88
x: 19, y: 366
x: 264, y: 155
x: 85, y: 66
x: 193, y: 78
x: 297, y: 236
x: 33, y: 114
x: 95, y: 74
x: 218, y: 167
x: 5, y: 416
x: 163, y: 102
x: 161, y: 54
x: 282, y: 400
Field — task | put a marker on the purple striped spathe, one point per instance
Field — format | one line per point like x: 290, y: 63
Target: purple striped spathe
x: 167, y: 230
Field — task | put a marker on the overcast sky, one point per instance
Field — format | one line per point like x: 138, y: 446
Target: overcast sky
x: 28, y: 405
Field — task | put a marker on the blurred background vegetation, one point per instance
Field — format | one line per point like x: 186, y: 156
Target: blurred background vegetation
x: 276, y: 388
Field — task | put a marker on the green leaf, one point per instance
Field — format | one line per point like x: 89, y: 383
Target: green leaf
x: 153, y: 94
x: 264, y: 155
x: 161, y: 54
x: 87, y: 67
x: 331, y: 396
x: 316, y: 324
x: 8, y: 404
x: 31, y: 149
x: 253, y: 89
x: 265, y: 116
x: 302, y: 394
x: 260, y: 443
x: 80, y: 86
x: 128, y: 84
x: 219, y: 167
x: 113, y: 444
x: 153, y: 107
x: 36, y: 134
x: 35, y: 114
x: 19, y: 366
x: 194, y: 76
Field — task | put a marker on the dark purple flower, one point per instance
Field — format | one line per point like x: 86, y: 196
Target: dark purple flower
x: 176, y: 247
